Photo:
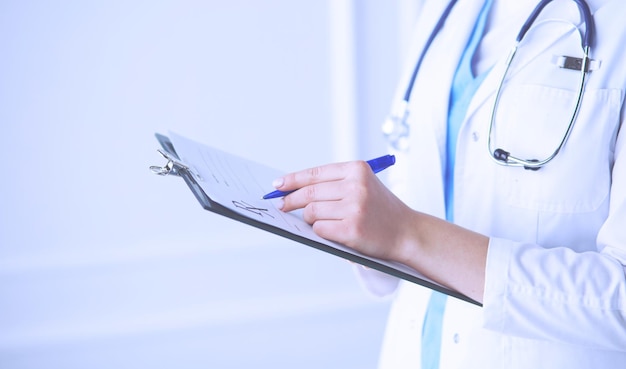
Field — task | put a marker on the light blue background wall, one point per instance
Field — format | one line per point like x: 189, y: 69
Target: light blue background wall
x: 103, y: 264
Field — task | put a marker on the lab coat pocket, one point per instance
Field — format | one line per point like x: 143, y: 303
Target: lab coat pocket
x: 578, y: 178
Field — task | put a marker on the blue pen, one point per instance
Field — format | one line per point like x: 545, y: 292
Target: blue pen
x: 377, y: 165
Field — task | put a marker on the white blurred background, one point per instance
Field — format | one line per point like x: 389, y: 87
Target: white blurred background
x: 105, y: 265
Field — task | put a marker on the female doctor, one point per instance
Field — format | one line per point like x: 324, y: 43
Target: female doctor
x: 508, y: 188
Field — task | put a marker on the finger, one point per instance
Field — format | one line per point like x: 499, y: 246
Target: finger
x: 334, y: 230
x: 303, y: 178
x: 321, y: 192
x: 327, y: 210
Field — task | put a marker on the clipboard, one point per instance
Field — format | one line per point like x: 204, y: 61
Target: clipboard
x: 176, y: 167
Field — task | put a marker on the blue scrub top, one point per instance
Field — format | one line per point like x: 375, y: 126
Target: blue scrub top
x: 463, y: 88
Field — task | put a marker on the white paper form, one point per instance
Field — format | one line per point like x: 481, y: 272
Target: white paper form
x: 239, y: 185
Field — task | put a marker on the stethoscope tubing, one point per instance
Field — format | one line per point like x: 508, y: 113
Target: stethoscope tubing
x: 587, y: 39
x: 587, y: 18
x: 397, y: 121
x: 499, y: 155
x: 433, y: 34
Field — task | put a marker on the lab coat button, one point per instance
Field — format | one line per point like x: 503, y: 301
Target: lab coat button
x: 456, y: 338
x: 475, y: 136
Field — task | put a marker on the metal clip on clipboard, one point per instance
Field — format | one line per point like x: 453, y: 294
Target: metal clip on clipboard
x: 173, y: 166
x: 176, y: 167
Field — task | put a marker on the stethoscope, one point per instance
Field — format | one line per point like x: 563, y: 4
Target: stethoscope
x: 396, y: 128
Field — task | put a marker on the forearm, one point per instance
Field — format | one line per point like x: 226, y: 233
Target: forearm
x: 447, y: 253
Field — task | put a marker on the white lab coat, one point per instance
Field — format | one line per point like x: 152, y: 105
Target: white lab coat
x: 555, y: 294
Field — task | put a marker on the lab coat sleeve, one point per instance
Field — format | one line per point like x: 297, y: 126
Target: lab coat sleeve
x: 561, y: 295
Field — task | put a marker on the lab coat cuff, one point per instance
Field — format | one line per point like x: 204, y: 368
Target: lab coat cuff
x: 377, y: 283
x: 499, y: 257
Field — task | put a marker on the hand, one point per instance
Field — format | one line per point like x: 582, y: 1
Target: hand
x: 348, y: 204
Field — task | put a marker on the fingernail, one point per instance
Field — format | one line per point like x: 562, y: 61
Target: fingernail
x: 278, y: 182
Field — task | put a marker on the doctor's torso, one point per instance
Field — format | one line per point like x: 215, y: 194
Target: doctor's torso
x: 563, y: 204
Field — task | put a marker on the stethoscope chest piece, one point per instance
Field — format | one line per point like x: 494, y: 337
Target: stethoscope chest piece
x: 396, y: 128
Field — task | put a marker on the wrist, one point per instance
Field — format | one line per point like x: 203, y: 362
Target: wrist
x: 412, y: 242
